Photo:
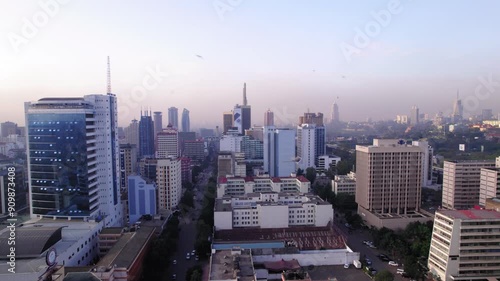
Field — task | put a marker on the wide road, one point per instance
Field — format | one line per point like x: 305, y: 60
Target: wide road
x: 187, y: 234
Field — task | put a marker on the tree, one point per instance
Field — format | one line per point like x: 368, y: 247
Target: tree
x: 384, y: 275
x: 311, y: 174
x: 300, y: 172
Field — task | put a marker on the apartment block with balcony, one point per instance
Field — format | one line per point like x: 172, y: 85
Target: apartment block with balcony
x: 465, y: 245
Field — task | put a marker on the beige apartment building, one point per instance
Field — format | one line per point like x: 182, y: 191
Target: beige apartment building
x: 389, y: 177
x: 489, y: 186
x: 169, y: 183
x: 461, y: 181
x: 465, y: 245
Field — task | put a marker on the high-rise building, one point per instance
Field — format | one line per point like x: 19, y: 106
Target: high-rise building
x: 464, y: 245
x: 231, y: 142
x: 389, y: 181
x: 268, y: 118
x: 255, y: 133
x: 186, y: 123
x: 242, y: 114
x: 227, y: 121
x: 461, y: 183
x: 335, y: 113
x: 128, y: 163
x: 147, y: 168
x: 279, y: 151
x: 158, y: 122
x: 146, y: 136
x: 458, y: 110
x: 489, y: 185
x: 311, y: 139
x: 169, y: 182
x: 132, y: 133
x: 414, y: 116
x: 141, y: 198
x: 173, y: 117
x: 8, y: 128
x: 252, y: 148
x: 312, y: 118
x: 402, y: 119
x: 194, y: 150
x: 167, y: 143
x: 183, y: 137
x: 73, y: 157
x: 306, y: 145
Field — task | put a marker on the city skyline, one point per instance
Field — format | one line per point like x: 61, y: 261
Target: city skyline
x: 293, y: 58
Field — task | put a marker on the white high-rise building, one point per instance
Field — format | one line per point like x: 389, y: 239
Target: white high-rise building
x: 306, y: 145
x: 231, y: 142
x: 279, y: 151
x: 489, y: 184
x: 73, y: 158
x: 461, y: 183
x: 169, y: 182
x: 465, y: 245
x: 167, y: 143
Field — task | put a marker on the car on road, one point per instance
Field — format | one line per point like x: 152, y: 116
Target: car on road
x: 174, y: 276
x: 196, y: 258
x: 368, y: 261
x: 174, y: 262
x: 393, y: 263
x: 188, y: 256
x: 193, y: 252
x: 346, y: 265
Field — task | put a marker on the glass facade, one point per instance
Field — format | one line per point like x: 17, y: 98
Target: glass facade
x: 58, y: 162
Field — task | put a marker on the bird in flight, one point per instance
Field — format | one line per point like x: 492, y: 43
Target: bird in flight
x: 199, y: 56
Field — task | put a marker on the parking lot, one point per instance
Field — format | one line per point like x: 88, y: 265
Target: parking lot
x: 339, y: 272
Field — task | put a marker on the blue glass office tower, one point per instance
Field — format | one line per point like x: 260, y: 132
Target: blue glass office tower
x: 73, y: 157
x: 146, y: 136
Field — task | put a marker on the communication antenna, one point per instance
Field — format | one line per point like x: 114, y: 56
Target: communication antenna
x: 109, y: 77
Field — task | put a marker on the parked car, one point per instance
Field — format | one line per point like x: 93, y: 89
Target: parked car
x: 174, y: 262
x: 346, y: 265
x: 174, y: 276
x: 393, y: 263
x: 368, y: 261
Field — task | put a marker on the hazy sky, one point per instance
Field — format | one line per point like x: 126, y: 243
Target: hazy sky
x: 291, y: 54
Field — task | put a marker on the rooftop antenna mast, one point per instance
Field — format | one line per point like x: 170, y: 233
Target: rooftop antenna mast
x: 109, y: 77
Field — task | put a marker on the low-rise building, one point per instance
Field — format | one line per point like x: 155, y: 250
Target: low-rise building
x: 237, y: 186
x: 326, y: 162
x: 271, y: 210
x: 465, y: 245
x: 344, y: 184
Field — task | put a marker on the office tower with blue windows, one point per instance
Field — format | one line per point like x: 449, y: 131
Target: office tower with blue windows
x: 186, y: 123
x: 146, y: 136
x: 73, y: 164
